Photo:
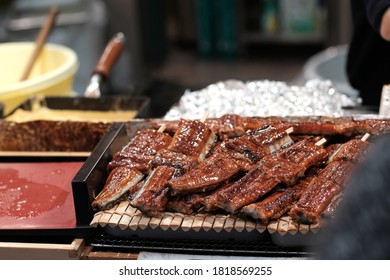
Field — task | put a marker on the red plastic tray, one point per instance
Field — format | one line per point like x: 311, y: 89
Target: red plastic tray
x: 37, y: 195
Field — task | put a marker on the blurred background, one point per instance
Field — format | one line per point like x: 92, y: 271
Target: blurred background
x: 173, y: 45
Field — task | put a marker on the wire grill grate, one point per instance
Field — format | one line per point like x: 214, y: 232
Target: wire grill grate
x: 264, y: 247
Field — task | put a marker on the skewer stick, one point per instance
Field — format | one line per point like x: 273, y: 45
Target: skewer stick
x: 272, y: 226
x: 124, y: 222
x: 133, y: 224
x: 144, y: 222
x: 260, y: 227
x: 162, y: 128
x: 176, y: 222
x: 219, y: 223
x: 282, y: 226
x: 250, y: 225
x: 229, y: 224
x: 239, y: 225
x: 187, y: 222
x: 289, y: 130
x: 320, y: 142
x: 292, y: 226
x: 198, y: 222
x: 208, y: 222
x: 205, y: 115
x: 304, y: 228
x: 95, y: 221
x: 365, y: 137
x: 166, y: 221
x: 154, y: 222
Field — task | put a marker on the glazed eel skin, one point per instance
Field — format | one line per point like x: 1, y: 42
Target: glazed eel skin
x: 278, y: 203
x: 129, y: 165
x: 286, y: 166
x: 329, y: 183
x: 190, y: 145
x: 233, y: 156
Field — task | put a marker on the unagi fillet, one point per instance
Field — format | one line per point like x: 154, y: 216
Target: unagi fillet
x: 269, y: 172
x: 244, y: 152
x: 186, y: 204
x: 153, y: 195
x: 181, y: 162
x: 277, y: 204
x: 192, y: 138
x: 330, y: 210
x: 270, y: 138
x: 146, y: 142
x: 233, y: 156
x: 119, y: 182
x: 305, y: 153
x: 287, y: 172
x: 230, y: 125
x: 246, y: 190
x: 354, y: 151
x: 302, y: 125
x: 205, y: 176
x: 320, y: 192
x: 140, y: 150
x: 329, y: 183
x: 141, y: 162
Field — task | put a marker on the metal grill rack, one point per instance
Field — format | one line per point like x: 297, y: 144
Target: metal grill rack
x: 265, y: 247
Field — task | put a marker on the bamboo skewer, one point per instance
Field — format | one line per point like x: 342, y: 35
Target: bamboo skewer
x: 198, y: 222
x: 229, y: 224
x: 208, y: 222
x: 187, y: 222
x: 144, y: 222
x: 133, y: 225
x: 114, y: 220
x: 260, y: 227
x: 154, y: 222
x: 124, y: 222
x: 176, y: 222
x: 292, y: 226
x: 96, y: 218
x: 162, y: 128
x: 239, y: 225
x: 204, y: 117
x: 365, y: 137
x: 250, y: 225
x: 219, y: 223
x: 304, y: 228
x: 289, y: 130
x: 166, y: 221
x: 273, y: 226
x: 320, y: 142
x: 282, y: 227
x: 105, y: 218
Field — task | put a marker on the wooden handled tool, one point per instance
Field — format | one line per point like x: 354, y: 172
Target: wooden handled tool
x: 102, y: 69
x: 40, y: 41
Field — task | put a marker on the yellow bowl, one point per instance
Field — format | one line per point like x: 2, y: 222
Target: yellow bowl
x: 52, y: 74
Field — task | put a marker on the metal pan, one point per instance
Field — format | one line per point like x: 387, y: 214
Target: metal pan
x: 106, y: 103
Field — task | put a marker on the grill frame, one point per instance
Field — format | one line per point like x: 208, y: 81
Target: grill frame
x: 265, y: 247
